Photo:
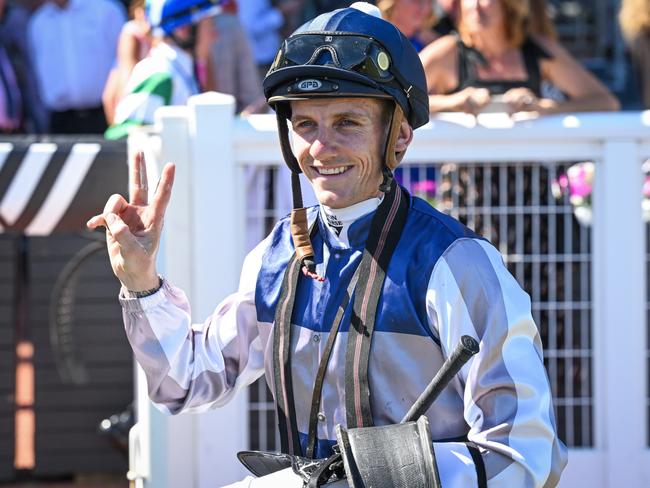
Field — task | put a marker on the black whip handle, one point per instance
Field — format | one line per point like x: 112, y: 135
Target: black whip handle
x: 466, y: 348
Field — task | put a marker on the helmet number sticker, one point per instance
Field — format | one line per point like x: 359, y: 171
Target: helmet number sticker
x: 309, y: 85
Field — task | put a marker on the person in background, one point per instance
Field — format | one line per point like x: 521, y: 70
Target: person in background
x: 233, y: 65
x: 494, y: 53
x: 206, y: 36
x: 263, y: 23
x: 133, y: 45
x: 414, y: 18
x: 22, y: 109
x: 11, y: 106
x: 72, y: 44
x: 634, y: 18
x: 168, y: 76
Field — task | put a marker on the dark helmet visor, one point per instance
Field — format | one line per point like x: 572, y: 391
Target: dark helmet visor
x: 345, y: 51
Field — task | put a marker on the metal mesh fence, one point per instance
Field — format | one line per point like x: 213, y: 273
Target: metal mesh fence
x: 262, y: 432
x: 545, y: 249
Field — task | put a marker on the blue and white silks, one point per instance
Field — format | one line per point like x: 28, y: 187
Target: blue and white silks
x: 443, y: 281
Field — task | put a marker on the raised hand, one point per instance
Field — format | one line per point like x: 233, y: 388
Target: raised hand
x: 133, y: 228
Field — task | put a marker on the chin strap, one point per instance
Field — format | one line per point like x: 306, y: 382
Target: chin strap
x: 299, y: 224
x: 391, y: 158
x: 387, y: 175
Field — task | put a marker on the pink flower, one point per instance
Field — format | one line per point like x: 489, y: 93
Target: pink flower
x: 580, y: 178
x: 424, y: 186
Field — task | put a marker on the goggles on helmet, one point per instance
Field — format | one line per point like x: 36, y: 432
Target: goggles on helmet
x: 350, y: 52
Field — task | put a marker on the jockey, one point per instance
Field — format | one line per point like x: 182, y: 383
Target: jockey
x: 168, y: 75
x: 350, y: 307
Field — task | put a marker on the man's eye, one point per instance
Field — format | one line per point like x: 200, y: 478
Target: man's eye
x: 348, y: 123
x: 303, y: 124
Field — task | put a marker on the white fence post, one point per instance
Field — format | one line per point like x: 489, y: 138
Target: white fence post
x: 201, y: 252
x: 217, y: 246
x: 619, y: 314
x: 172, y: 444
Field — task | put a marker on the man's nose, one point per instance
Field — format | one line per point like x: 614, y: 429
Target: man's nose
x: 323, y: 146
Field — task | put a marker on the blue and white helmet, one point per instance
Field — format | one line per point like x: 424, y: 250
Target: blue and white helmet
x: 350, y: 52
x: 168, y: 15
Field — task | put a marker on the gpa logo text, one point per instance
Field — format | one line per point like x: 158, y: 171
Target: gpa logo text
x: 309, y: 85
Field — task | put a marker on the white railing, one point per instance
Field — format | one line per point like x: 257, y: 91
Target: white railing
x: 204, y: 249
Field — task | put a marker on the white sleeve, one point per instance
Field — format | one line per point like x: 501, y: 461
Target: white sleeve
x: 201, y: 366
x: 507, y: 397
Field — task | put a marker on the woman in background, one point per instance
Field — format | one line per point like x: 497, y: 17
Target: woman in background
x: 133, y: 45
x: 634, y: 19
x: 496, y: 53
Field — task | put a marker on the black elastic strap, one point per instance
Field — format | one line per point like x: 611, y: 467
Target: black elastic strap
x: 385, y: 232
x: 322, y: 367
x: 387, y: 181
x: 387, y: 174
x: 281, y: 114
x: 295, y: 190
x: 479, y: 464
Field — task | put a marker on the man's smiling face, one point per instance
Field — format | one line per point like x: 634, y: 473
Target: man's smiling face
x: 339, y: 145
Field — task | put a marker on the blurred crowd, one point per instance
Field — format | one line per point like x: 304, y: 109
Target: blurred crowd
x: 85, y: 66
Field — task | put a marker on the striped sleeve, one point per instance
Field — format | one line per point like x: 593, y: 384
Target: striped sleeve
x: 138, y: 106
x: 507, y: 397
x: 196, y: 367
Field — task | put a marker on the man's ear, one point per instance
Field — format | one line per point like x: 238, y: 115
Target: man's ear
x: 404, y: 137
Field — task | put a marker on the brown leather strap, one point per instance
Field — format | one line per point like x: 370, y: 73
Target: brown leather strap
x: 393, y: 158
x: 300, y: 233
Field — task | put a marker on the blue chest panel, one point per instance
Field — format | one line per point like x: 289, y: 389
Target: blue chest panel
x: 402, y: 305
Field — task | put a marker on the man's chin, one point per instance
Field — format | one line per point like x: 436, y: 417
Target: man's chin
x: 332, y: 200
